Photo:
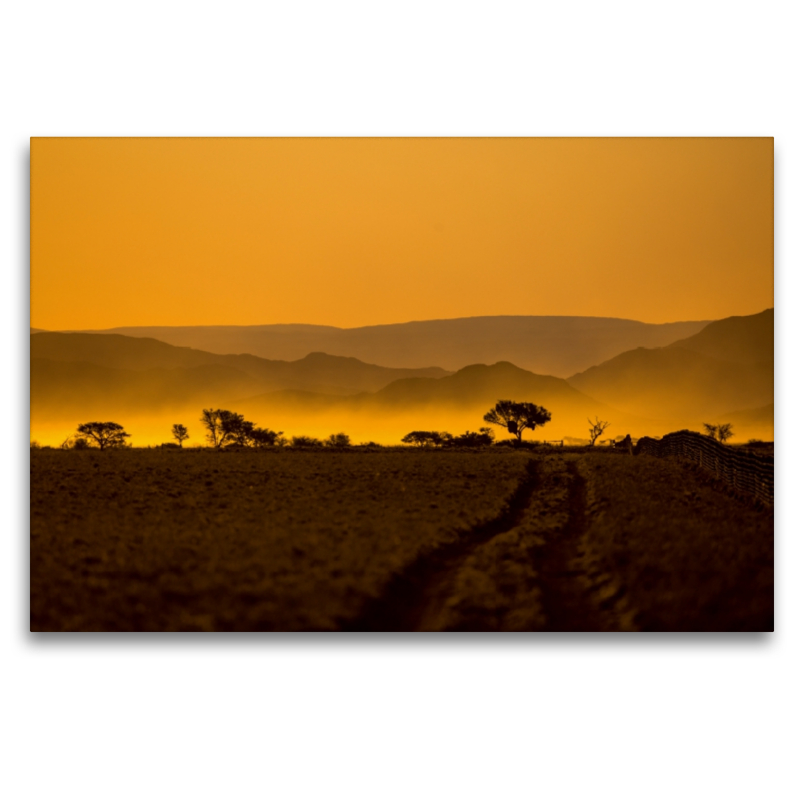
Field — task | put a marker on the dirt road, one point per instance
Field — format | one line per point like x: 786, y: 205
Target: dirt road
x: 587, y: 544
x: 524, y: 570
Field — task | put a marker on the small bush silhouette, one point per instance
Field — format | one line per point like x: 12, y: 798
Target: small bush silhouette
x: 482, y: 438
x: 337, y: 440
x: 517, y: 443
x: 427, y: 438
x: 305, y: 441
x: 721, y: 432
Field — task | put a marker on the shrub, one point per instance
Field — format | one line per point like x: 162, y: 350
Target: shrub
x: 337, y: 440
x: 517, y: 443
x: 263, y: 437
x: 305, y: 441
x: 482, y: 438
x: 721, y: 432
x: 427, y: 438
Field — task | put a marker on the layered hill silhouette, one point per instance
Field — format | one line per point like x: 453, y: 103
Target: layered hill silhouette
x: 559, y: 346
x: 79, y: 376
x: 723, y: 372
x: 315, y: 372
x: 77, y: 389
x: 727, y: 366
x: 73, y: 369
x: 476, y: 384
x: 739, y: 340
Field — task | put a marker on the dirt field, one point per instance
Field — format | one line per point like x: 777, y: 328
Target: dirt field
x: 148, y: 540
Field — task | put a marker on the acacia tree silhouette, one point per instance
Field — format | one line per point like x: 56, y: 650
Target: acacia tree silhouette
x: 104, y: 434
x: 517, y: 417
x: 180, y: 433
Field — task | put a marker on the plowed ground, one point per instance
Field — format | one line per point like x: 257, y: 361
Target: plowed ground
x: 391, y: 540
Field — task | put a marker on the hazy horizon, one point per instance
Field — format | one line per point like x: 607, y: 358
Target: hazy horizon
x: 723, y: 369
x: 381, y: 324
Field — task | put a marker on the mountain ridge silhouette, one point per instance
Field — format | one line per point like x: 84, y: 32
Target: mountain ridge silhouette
x: 549, y: 345
x: 316, y: 371
x: 727, y: 365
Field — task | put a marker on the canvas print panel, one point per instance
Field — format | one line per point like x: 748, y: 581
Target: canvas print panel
x: 402, y: 384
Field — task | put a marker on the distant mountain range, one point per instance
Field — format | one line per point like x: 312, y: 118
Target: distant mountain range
x: 722, y: 372
x: 75, y: 376
x: 727, y: 366
x: 559, y: 346
x: 90, y: 368
x: 738, y: 340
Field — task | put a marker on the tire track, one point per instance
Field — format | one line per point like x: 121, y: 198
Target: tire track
x: 578, y: 593
x: 414, y: 599
x: 566, y: 588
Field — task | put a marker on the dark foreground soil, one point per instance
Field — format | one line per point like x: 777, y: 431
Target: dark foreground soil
x: 393, y: 540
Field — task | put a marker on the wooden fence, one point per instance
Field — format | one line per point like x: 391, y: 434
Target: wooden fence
x: 744, y: 471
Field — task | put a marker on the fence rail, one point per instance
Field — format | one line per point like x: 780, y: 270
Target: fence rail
x: 745, y: 472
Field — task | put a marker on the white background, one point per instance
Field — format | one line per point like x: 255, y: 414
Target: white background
x: 442, y: 717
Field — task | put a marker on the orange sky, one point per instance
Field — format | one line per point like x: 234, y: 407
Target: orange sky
x: 355, y: 232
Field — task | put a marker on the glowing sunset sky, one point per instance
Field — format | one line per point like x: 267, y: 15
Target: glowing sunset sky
x: 353, y: 232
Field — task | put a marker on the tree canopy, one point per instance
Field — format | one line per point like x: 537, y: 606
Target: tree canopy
x: 105, y: 435
x: 517, y: 417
